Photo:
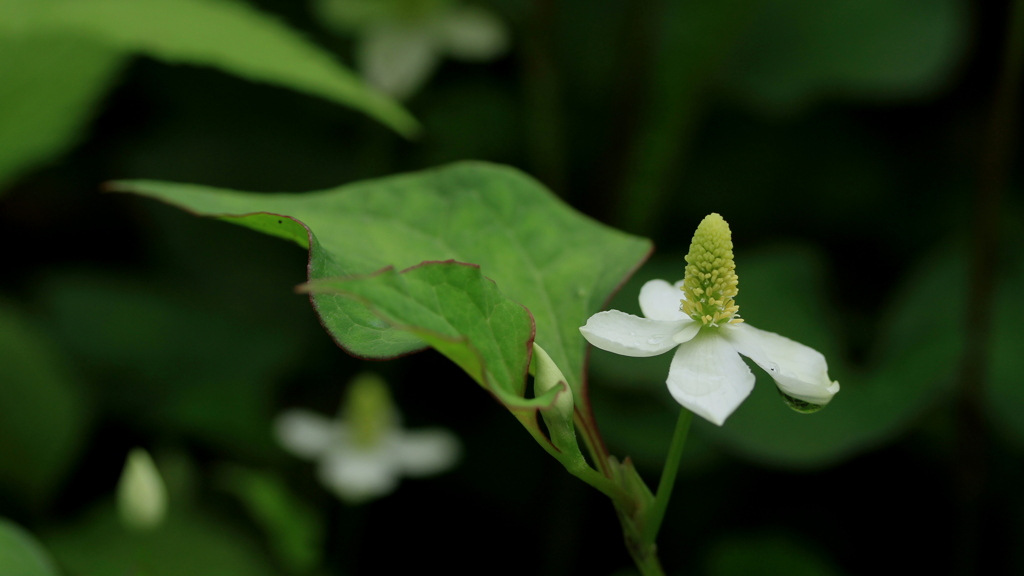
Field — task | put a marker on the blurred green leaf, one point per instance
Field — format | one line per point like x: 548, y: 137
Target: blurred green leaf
x: 187, y: 544
x: 49, y: 87
x: 559, y: 264
x: 1005, y: 393
x: 228, y: 35
x: 295, y: 530
x: 20, y: 554
x: 782, y: 290
x: 796, y: 51
x: 43, y: 418
x: 162, y: 362
x: 767, y: 555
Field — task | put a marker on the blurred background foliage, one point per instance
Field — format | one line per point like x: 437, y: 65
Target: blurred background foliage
x: 841, y: 140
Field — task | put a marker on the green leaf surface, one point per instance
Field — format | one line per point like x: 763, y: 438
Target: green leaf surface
x: 782, y: 290
x: 21, y: 554
x: 49, y: 88
x: 451, y: 306
x: 542, y: 254
x: 43, y: 416
x: 227, y: 35
x: 187, y: 544
x: 796, y: 51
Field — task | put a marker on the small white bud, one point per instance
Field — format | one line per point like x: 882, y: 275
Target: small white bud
x: 141, y: 494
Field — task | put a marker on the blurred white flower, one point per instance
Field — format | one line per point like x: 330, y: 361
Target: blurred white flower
x: 707, y: 375
x: 362, y: 454
x: 401, y: 42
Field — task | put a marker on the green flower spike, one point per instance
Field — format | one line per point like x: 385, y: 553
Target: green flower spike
x: 707, y: 375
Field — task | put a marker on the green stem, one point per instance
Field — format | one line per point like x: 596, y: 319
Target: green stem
x: 592, y: 440
x: 668, y: 477
x: 648, y: 565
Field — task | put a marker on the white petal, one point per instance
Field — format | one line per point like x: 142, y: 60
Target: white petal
x: 470, y: 33
x: 709, y: 378
x: 427, y: 452
x: 305, y: 434
x: 356, y: 474
x: 660, y: 300
x: 630, y: 335
x: 398, y: 59
x: 799, y: 371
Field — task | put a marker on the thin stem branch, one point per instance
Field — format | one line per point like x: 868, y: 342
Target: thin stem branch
x: 592, y: 440
x: 668, y: 477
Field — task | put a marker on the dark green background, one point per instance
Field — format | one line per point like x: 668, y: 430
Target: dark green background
x: 841, y: 140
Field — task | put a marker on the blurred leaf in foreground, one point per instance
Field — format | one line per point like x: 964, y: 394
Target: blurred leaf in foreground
x: 49, y: 88
x: 231, y: 36
x: 21, y: 555
x: 43, y: 416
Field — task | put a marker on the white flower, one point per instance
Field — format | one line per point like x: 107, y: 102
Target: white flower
x: 401, y: 42
x: 363, y: 455
x: 699, y: 316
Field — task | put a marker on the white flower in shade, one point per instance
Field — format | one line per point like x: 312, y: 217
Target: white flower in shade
x: 362, y: 454
x: 401, y: 42
x: 699, y: 317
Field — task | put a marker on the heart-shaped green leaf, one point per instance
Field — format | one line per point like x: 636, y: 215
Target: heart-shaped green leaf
x: 559, y: 264
x: 231, y: 36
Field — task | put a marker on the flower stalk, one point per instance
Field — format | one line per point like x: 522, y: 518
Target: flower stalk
x: 668, y: 477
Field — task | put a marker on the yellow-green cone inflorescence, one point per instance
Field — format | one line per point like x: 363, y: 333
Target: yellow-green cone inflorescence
x: 369, y: 410
x: 710, y: 283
